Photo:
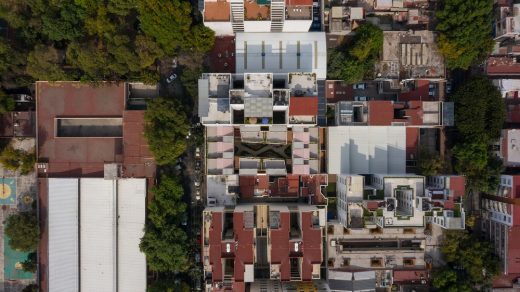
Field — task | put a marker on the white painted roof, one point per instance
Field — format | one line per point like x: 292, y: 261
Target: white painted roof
x: 98, y: 235
x: 63, y: 234
x: 131, y: 262
x: 363, y: 149
x: 279, y: 53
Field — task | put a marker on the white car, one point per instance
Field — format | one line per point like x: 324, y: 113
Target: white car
x: 359, y: 86
x: 197, y: 152
x: 171, y: 78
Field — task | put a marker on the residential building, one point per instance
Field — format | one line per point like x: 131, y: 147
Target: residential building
x: 364, y: 149
x: 506, y: 22
x: 343, y: 20
x: 281, y: 53
x: 261, y: 99
x: 501, y: 225
x: 414, y: 113
x: 508, y: 146
x: 234, y: 16
x: 247, y: 243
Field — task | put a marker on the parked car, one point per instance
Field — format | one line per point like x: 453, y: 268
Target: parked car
x: 197, y: 152
x: 174, y: 63
x: 197, y: 194
x: 196, y: 183
x: 172, y: 77
x: 184, y: 220
x: 197, y: 165
x: 359, y: 86
x: 360, y: 98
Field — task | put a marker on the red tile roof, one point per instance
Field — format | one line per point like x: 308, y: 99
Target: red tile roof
x: 457, y: 185
x: 513, y: 257
x: 502, y: 65
x: 408, y: 276
x: 412, y: 143
x: 280, y: 246
x: 312, y: 246
x: 298, y: 2
x: 303, y: 106
x: 421, y: 92
x: 380, y: 112
x: 244, y: 250
x: 215, y: 240
x: 86, y: 156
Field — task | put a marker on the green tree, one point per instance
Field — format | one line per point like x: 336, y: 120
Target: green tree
x: 90, y: 60
x: 479, y: 110
x: 6, y: 103
x: 201, y: 39
x: 121, y: 7
x: 31, y: 263
x: 17, y: 159
x: 62, y: 20
x: 166, y: 130
x: 470, y: 263
x: 12, y: 63
x: 354, y: 64
x: 44, y: 63
x: 23, y: 231
x: 167, y: 207
x: 465, y: 31
x: 429, y: 163
x: 165, y: 249
x: 167, y: 22
x: 30, y: 288
x: 168, y: 285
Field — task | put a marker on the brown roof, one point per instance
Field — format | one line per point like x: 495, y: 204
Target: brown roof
x: 380, y: 112
x: 502, y: 66
x: 217, y: 11
x: 86, y: 156
x: 303, y: 106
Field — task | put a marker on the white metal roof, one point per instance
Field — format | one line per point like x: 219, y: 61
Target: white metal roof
x: 363, y: 149
x: 131, y: 262
x: 63, y: 235
x: 98, y: 234
x: 281, y: 53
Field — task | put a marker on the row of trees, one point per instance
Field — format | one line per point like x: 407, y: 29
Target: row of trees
x: 354, y: 64
x: 465, y: 31
x: 96, y: 39
x: 470, y: 263
x: 479, y: 117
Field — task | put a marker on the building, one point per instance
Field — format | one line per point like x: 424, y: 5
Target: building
x: 94, y: 227
x: 281, y: 53
x: 94, y: 168
x: 414, y: 113
x: 405, y: 201
x: 501, y: 225
x: 506, y: 22
x: 509, y: 148
x: 247, y: 243
x: 410, y: 55
x: 364, y: 149
x: 234, y: 16
x: 81, y: 127
x: 262, y: 99
x: 343, y: 20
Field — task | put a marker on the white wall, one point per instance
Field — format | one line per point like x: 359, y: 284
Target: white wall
x: 220, y: 27
x: 297, y: 25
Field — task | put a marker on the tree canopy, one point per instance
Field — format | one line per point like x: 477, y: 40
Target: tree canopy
x: 471, y: 263
x: 96, y: 39
x: 355, y: 60
x: 479, y: 117
x: 17, y: 159
x: 479, y: 110
x: 166, y: 130
x: 23, y: 231
x: 465, y: 31
x: 164, y: 242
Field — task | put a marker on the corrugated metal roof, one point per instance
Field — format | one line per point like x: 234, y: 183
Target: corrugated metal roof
x: 203, y: 97
x: 63, y: 235
x: 281, y: 53
x: 131, y: 262
x: 98, y: 235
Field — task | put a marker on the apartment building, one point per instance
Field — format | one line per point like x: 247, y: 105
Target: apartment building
x: 501, y: 225
x: 506, y: 22
x: 258, y: 99
x: 250, y: 243
x: 232, y: 16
